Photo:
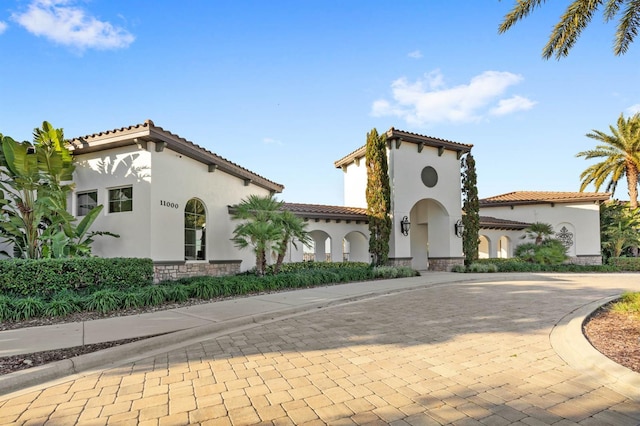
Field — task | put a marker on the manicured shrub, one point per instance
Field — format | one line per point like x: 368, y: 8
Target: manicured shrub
x: 153, y: 295
x: 6, y: 308
x: 459, y: 268
x: 61, y: 305
x: 103, y: 301
x: 177, y: 293
x: 27, y: 307
x: 132, y: 299
x: 46, y: 277
x: 625, y: 263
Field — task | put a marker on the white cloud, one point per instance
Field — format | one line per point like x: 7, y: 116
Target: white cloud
x: 428, y: 100
x: 633, y: 109
x: 416, y: 54
x: 3, y: 27
x: 60, y: 21
x: 513, y: 104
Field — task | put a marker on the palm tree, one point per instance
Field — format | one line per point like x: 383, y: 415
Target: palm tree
x: 293, y: 228
x: 576, y: 18
x: 621, y: 153
x: 259, y: 227
x: 538, y: 231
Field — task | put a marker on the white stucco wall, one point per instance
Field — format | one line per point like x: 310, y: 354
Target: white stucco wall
x: 115, y: 168
x: 154, y: 229
x: 438, y: 207
x: 581, y: 219
x: 177, y: 179
x: 355, y: 184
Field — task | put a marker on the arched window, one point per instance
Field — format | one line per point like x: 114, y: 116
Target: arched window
x: 195, y: 235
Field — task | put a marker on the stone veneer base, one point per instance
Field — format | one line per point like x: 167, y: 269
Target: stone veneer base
x: 174, y: 270
x: 444, y: 264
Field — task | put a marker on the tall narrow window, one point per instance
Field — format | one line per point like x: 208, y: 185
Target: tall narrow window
x: 121, y: 199
x: 86, y: 201
x: 195, y: 227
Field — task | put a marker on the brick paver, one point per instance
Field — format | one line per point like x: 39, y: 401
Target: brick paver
x: 469, y: 353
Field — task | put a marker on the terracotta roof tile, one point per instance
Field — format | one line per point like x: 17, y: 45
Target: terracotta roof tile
x: 393, y: 134
x: 178, y: 143
x: 318, y: 211
x: 543, y: 197
x: 488, y: 222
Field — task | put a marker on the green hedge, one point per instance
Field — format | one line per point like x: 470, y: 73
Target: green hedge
x: 625, y: 263
x: 517, y: 265
x: 48, y: 276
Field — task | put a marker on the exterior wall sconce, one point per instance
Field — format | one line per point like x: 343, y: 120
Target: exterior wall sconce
x: 405, y: 225
x: 458, y: 228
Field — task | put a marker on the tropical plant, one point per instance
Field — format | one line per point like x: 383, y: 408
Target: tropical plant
x: 378, y: 194
x: 267, y: 227
x: 34, y: 186
x: 471, y: 208
x: 259, y: 228
x: 619, y: 228
x: 549, y: 252
x: 576, y: 18
x: 538, y: 231
x: 293, y: 228
x: 621, y: 153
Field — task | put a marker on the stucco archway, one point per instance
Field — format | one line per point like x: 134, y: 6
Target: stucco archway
x: 504, y: 247
x: 429, y: 232
x: 321, y: 246
x: 355, y: 247
x: 484, y: 247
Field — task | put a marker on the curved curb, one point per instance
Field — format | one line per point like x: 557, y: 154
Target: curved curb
x: 569, y: 342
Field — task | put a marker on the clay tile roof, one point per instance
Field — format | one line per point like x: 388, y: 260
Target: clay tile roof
x: 543, y: 197
x: 394, y: 134
x: 148, y: 131
x: 317, y: 211
x: 488, y: 222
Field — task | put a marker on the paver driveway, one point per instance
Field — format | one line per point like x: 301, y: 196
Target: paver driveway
x: 466, y: 353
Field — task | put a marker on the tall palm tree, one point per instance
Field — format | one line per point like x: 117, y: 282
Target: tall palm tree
x: 621, y: 153
x: 576, y: 18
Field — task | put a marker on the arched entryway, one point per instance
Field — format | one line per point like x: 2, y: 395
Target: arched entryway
x: 320, y: 249
x: 355, y: 247
x: 484, y: 247
x: 430, y: 233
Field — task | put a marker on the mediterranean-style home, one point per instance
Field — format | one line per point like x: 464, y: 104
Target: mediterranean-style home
x: 169, y: 200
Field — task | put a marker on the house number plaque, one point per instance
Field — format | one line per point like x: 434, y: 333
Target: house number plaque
x: 169, y: 204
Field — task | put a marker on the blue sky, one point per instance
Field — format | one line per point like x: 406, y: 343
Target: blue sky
x: 285, y: 88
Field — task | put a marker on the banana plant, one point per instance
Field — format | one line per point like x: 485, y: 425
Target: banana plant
x: 35, y: 180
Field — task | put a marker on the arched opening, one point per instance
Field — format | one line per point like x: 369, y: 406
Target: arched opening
x: 195, y: 227
x: 320, y: 248
x: 504, y: 247
x: 430, y: 233
x: 355, y: 247
x: 484, y: 247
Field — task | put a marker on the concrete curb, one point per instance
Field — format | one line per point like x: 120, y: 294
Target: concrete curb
x: 573, y: 347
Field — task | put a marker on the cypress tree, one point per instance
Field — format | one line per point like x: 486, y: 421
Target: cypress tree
x: 471, y: 209
x: 378, y: 197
